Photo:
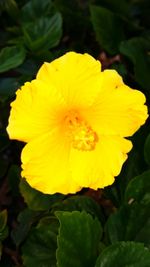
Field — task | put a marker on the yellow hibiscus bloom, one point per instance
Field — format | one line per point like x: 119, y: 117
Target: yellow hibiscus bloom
x: 74, y: 118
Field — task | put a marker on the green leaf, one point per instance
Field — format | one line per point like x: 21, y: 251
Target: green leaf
x: 139, y: 189
x: 147, y: 150
x: 36, y: 9
x: 8, y: 87
x: 37, y: 200
x: 44, y: 34
x: 78, y: 239
x: 11, y: 57
x: 12, y: 9
x: 80, y: 203
x: 25, y: 220
x: 75, y: 21
x: 127, y: 254
x: 120, y: 68
x: 39, y: 248
x: 136, y: 50
x: 108, y: 28
x: 124, y: 224
x: 29, y: 67
x: 122, y: 9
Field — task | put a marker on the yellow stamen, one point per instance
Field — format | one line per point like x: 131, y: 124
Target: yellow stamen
x: 82, y: 135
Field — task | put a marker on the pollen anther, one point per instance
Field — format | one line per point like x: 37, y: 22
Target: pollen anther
x: 82, y: 135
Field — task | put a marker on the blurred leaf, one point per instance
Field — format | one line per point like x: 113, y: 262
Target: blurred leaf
x: 4, y: 36
x: 127, y: 254
x: 12, y: 9
x: 122, y: 9
x: 39, y: 248
x: 147, y: 150
x: 120, y: 68
x: 35, y: 9
x: 135, y: 165
x: 37, y: 200
x: 78, y: 239
x: 139, y: 189
x: 11, y: 57
x: 44, y: 34
x: 136, y: 50
x: 8, y: 87
x: 29, y: 67
x: 143, y: 10
x: 25, y: 220
x: 75, y: 20
x: 108, y: 28
x: 80, y: 203
x: 3, y: 225
x: 124, y: 223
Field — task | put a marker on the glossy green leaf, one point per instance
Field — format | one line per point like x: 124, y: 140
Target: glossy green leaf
x: 132, y: 220
x: 108, y: 28
x: 139, y: 189
x: 125, y: 225
x: 37, y: 200
x: 136, y: 50
x: 39, y: 248
x: 35, y: 9
x: 78, y: 239
x: 127, y: 254
x: 11, y: 57
x: 80, y: 203
x: 44, y: 33
x: 147, y: 150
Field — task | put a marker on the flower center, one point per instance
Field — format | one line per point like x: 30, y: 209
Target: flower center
x: 82, y: 135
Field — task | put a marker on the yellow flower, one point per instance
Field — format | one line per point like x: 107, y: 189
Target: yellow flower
x: 74, y: 118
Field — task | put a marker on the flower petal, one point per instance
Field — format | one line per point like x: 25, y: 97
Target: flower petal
x: 76, y: 76
x: 45, y: 164
x: 119, y: 110
x: 97, y: 168
x: 34, y: 111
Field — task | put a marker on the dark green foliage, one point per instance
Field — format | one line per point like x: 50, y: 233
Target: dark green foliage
x: 108, y: 28
x: 40, y: 246
x: 35, y: 199
x: 127, y: 254
x: 106, y: 228
x: 11, y: 57
x: 78, y: 239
